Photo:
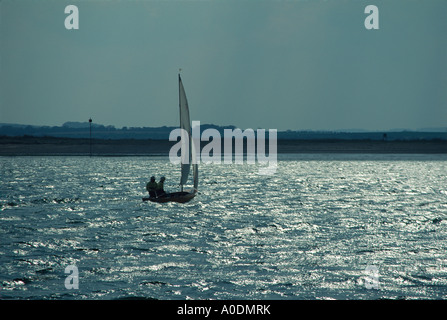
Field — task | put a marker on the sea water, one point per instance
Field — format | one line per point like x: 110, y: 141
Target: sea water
x: 322, y: 227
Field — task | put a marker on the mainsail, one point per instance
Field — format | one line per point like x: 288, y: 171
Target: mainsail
x: 185, y: 125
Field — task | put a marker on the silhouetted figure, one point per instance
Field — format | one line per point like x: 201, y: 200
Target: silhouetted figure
x: 160, y: 187
x: 151, y: 187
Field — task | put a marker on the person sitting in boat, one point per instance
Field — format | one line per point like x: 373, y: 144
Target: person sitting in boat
x: 151, y: 187
x: 160, y: 187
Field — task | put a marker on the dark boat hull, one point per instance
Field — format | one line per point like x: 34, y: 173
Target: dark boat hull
x: 180, y: 197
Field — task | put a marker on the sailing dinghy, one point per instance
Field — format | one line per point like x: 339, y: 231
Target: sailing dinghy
x: 186, y: 142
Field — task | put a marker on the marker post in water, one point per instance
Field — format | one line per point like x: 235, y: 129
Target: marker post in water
x: 90, y: 121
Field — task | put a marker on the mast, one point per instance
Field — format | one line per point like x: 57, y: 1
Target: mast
x: 180, y: 108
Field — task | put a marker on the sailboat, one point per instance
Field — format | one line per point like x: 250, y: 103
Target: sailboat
x: 183, y: 196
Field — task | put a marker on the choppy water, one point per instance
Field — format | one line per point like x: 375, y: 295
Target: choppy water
x: 308, y: 232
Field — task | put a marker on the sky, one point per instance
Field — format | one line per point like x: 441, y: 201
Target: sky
x: 298, y: 65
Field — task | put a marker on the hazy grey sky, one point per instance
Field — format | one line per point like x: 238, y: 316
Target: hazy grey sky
x: 253, y: 64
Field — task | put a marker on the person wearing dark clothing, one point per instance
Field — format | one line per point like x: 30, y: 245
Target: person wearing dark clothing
x: 151, y: 187
x: 160, y: 187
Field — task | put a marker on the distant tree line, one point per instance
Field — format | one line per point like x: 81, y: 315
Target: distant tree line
x: 81, y: 130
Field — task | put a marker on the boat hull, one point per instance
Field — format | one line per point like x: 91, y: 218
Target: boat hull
x: 180, y: 197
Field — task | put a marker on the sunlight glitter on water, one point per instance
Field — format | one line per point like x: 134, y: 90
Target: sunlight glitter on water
x: 307, y: 232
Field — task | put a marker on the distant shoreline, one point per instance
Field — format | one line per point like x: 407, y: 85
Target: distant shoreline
x: 53, y: 146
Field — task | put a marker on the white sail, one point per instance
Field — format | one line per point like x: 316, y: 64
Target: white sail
x: 185, y: 124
